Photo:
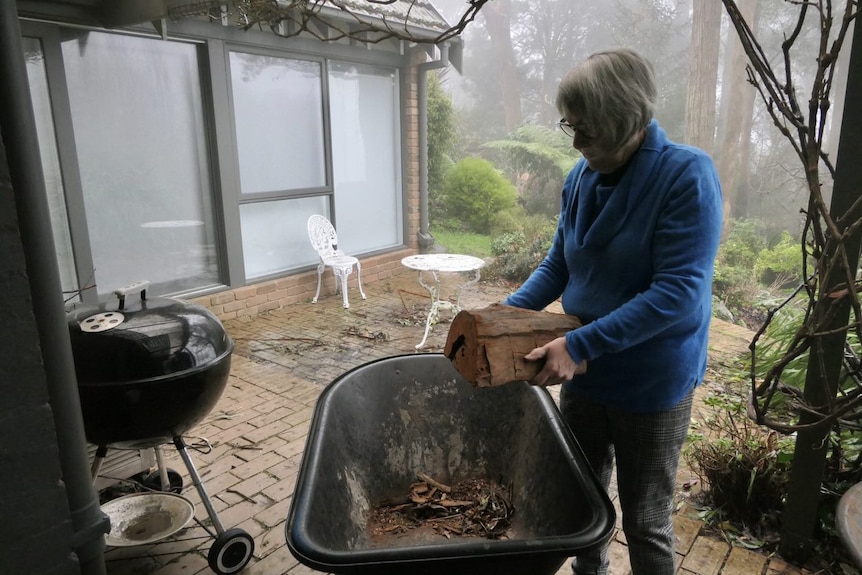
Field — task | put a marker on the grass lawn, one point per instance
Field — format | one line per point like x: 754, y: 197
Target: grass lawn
x: 463, y: 243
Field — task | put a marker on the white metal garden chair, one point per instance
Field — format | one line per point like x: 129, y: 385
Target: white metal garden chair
x: 325, y: 241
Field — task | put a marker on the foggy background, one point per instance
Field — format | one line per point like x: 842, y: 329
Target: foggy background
x: 761, y: 175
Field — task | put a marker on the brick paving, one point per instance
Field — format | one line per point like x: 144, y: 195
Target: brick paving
x: 249, y: 448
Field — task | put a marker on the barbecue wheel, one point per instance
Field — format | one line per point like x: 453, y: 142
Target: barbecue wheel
x: 230, y: 552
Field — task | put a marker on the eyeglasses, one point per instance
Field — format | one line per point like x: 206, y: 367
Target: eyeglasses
x: 571, y: 130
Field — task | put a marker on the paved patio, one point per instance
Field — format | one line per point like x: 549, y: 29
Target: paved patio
x: 250, y: 446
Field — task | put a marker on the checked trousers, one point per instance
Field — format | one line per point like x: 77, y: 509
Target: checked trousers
x: 645, y: 448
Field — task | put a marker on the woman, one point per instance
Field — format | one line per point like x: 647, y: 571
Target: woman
x: 633, y: 259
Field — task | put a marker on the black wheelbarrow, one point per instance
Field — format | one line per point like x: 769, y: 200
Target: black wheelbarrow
x: 378, y: 426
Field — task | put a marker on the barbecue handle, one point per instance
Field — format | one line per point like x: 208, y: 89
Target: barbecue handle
x: 139, y: 286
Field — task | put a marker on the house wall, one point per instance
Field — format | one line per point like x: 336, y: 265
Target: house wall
x: 238, y: 295
x: 253, y: 299
x: 412, y: 175
x: 268, y: 295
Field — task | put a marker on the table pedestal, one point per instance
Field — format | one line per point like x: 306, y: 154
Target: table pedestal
x: 434, y: 264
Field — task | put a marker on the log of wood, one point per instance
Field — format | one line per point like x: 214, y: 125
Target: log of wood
x: 487, y: 346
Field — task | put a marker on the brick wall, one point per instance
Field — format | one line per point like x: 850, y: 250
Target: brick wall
x: 411, y: 131
x: 273, y: 294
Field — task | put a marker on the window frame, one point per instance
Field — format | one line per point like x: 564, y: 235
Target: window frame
x: 214, y: 44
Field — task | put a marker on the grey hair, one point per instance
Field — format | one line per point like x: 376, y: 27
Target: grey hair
x: 613, y: 93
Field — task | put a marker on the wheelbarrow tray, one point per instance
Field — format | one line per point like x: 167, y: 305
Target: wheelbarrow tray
x: 379, y: 425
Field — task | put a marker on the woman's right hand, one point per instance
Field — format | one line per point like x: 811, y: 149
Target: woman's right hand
x: 559, y: 365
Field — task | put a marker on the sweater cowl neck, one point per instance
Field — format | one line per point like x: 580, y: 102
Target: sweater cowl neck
x: 596, y: 232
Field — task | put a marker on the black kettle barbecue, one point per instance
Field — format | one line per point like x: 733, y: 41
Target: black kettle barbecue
x: 148, y: 371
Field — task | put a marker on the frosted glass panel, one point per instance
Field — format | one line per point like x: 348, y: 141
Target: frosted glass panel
x: 366, y: 155
x: 51, y: 166
x: 278, y: 113
x: 142, y: 149
x: 275, y: 234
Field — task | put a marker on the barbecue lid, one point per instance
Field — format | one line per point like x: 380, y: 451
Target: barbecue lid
x: 119, y: 342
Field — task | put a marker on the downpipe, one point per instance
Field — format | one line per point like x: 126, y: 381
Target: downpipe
x: 18, y: 125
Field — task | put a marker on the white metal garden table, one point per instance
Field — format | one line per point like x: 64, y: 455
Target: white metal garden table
x: 434, y: 264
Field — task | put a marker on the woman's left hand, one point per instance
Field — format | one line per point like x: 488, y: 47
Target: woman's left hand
x: 559, y: 365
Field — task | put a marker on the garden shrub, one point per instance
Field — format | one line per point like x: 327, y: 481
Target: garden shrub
x: 515, y: 256
x: 475, y: 193
x: 507, y: 222
x: 745, y: 239
x: 781, y: 264
x: 784, y: 327
x: 442, y: 131
x: 735, y: 282
x: 508, y: 243
x: 442, y: 137
x: 743, y: 467
x: 537, y: 158
x: 770, y: 349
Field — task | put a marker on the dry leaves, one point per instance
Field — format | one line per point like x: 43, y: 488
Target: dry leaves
x: 470, y: 508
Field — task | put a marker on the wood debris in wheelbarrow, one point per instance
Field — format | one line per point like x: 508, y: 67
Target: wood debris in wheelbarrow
x: 469, y: 508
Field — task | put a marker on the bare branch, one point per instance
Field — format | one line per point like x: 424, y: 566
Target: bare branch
x: 824, y: 235
x: 368, y: 21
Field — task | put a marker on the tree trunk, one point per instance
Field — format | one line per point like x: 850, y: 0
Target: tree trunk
x: 499, y: 29
x: 827, y: 353
x: 703, y: 74
x: 836, y: 116
x: 487, y: 346
x: 734, y: 141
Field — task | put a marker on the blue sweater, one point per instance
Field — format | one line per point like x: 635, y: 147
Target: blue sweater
x: 638, y: 272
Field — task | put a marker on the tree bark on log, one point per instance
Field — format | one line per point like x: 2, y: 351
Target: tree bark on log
x: 487, y: 346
